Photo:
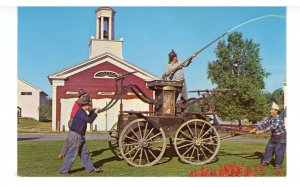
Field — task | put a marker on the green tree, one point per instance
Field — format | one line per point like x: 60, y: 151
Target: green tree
x: 45, y: 111
x: 268, y: 96
x: 278, y: 97
x: 238, y: 69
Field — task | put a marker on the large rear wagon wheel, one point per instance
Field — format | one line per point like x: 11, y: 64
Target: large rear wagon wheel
x: 113, y: 141
x: 197, y: 142
x: 142, y: 143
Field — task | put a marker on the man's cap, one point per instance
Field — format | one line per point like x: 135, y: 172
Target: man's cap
x: 85, y: 99
x: 81, y: 92
x: 172, y: 54
x: 275, y: 106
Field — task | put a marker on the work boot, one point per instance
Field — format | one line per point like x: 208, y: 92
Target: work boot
x: 278, y: 167
x: 64, y: 174
x: 264, y: 164
x: 97, y: 170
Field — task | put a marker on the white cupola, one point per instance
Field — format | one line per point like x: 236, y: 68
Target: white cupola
x: 104, y: 41
x: 105, y: 23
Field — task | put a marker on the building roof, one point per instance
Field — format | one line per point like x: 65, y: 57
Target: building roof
x: 39, y: 90
x: 105, y: 8
x: 65, y: 73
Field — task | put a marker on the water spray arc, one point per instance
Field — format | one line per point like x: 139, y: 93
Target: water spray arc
x: 255, y: 19
x: 186, y: 62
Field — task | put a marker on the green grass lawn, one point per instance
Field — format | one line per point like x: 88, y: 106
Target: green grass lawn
x: 40, y: 159
x: 30, y: 125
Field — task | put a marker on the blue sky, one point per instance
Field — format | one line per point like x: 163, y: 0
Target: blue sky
x: 53, y: 38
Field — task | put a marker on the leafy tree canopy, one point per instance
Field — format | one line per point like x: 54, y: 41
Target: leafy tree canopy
x: 238, y: 69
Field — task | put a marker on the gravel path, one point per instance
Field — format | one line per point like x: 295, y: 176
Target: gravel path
x: 104, y: 136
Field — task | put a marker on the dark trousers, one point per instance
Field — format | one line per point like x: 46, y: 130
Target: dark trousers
x: 64, y: 148
x: 76, y: 146
x: 277, y: 145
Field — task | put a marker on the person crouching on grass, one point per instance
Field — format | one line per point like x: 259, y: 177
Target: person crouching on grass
x: 277, y: 142
x: 76, y: 138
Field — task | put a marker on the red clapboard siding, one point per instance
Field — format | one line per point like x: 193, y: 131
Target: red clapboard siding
x: 85, y: 79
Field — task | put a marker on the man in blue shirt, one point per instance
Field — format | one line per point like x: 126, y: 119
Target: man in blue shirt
x: 75, y: 107
x: 76, y: 138
x: 277, y: 142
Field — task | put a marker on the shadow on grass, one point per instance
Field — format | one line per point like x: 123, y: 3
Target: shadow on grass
x: 247, y: 155
x: 98, y: 152
x: 106, y: 160
x: 29, y: 138
x: 252, y: 155
x: 170, y: 153
x: 167, y: 157
x: 255, y: 155
x: 97, y: 164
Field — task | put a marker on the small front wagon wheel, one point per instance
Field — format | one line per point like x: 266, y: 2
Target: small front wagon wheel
x: 142, y: 143
x: 197, y: 142
x: 113, y: 141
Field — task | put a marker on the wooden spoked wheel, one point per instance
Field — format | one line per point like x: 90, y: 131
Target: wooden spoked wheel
x: 197, y: 142
x: 113, y: 141
x: 142, y: 143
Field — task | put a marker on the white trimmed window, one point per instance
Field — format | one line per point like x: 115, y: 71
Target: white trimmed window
x: 106, y: 74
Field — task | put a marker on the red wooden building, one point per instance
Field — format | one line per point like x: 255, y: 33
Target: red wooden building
x: 96, y: 75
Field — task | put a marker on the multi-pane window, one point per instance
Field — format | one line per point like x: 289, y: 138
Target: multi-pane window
x: 26, y: 93
x: 106, y: 74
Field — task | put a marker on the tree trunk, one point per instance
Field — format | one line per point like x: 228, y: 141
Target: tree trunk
x: 240, y: 123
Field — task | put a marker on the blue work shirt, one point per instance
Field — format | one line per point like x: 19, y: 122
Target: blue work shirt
x: 80, y: 121
x: 274, y: 125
